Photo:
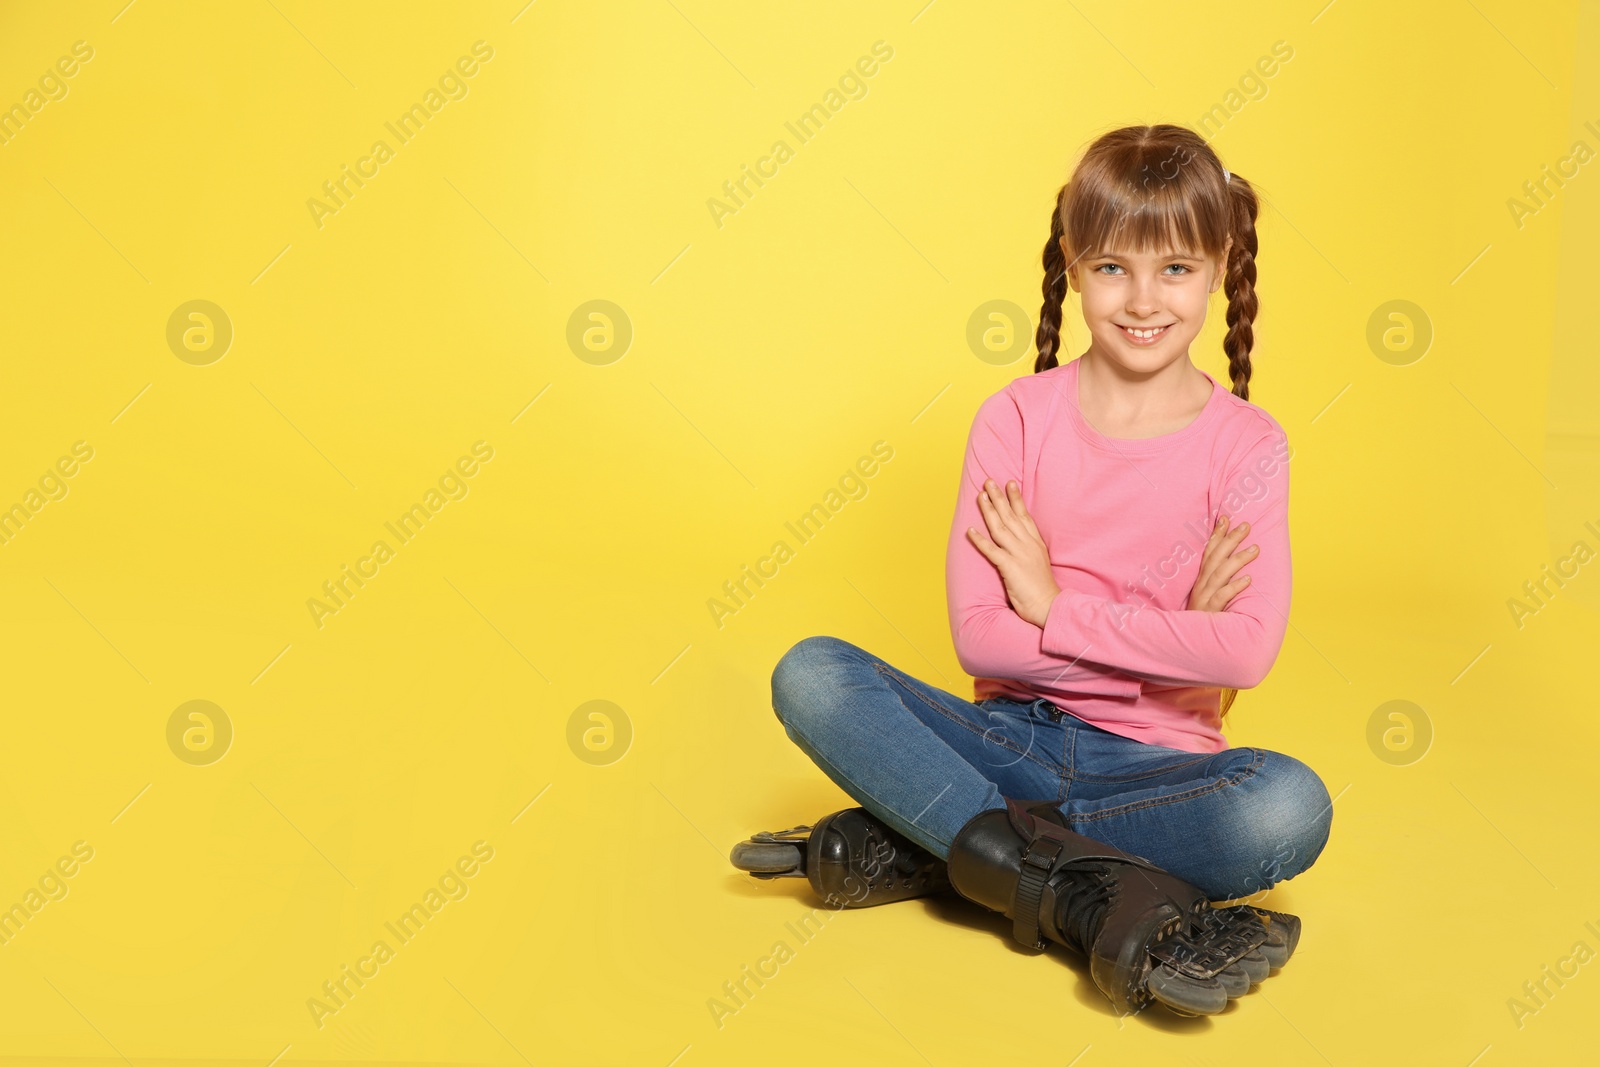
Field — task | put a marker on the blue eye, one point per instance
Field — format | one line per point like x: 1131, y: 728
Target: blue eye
x: 1180, y: 266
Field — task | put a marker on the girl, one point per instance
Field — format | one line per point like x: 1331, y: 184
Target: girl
x: 1098, y: 595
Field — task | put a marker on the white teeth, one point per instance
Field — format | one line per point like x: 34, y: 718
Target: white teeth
x: 1146, y: 334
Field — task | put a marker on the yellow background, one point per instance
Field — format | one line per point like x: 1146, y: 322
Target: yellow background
x: 768, y: 354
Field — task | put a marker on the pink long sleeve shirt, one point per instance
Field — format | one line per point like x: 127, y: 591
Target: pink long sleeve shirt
x: 1126, y: 522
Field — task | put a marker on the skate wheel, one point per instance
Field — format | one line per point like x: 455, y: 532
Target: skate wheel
x: 1235, y: 981
x: 768, y: 857
x: 1185, y: 995
x: 1255, y: 965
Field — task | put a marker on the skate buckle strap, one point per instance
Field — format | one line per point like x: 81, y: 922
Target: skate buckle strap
x: 1038, y: 858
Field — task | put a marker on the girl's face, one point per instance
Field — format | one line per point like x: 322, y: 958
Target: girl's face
x: 1166, y: 292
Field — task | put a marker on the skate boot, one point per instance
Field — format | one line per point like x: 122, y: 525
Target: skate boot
x: 1148, y: 935
x: 852, y: 858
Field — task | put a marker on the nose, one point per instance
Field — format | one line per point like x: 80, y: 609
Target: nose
x: 1142, y: 302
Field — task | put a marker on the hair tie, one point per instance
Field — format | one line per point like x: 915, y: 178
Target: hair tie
x: 1226, y: 177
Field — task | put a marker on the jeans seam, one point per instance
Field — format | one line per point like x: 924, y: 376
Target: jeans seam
x: 1069, y: 746
x: 1148, y: 772
x: 1200, y: 791
x: 966, y: 723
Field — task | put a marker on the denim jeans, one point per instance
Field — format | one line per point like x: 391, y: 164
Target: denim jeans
x: 1232, y: 823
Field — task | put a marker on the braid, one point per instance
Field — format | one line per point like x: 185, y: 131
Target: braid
x: 1048, y: 337
x: 1239, y: 282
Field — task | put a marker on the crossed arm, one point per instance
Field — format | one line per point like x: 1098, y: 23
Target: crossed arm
x: 1011, y: 620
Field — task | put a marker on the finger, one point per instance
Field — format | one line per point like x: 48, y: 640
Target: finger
x: 1217, y: 597
x: 1228, y: 566
x: 1216, y: 568
x: 1020, y: 507
x: 1010, y: 498
x: 993, y: 516
x: 1218, y: 530
x: 1223, y: 549
x: 984, y: 545
x: 1235, y: 535
x: 1000, y: 500
x: 1213, y: 552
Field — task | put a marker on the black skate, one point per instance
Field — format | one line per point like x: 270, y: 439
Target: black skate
x: 852, y: 858
x: 1149, y: 935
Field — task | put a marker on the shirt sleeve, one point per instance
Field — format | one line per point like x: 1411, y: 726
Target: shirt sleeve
x: 991, y: 639
x: 1232, y: 648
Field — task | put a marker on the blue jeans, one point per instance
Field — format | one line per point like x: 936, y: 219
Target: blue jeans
x: 1232, y: 823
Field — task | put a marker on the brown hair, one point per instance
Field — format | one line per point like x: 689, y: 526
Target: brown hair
x: 1155, y: 188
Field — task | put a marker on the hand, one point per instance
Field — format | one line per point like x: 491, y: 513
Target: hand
x: 1017, y: 550
x: 1212, y: 589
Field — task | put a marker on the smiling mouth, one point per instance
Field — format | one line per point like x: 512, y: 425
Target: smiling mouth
x: 1145, y: 334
